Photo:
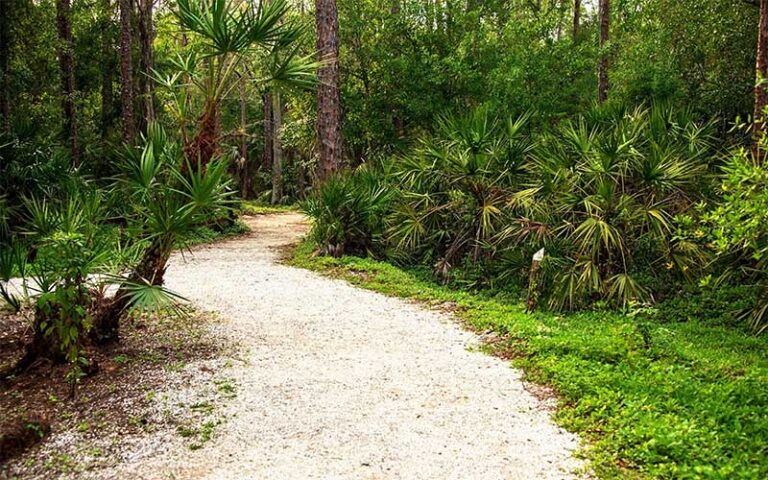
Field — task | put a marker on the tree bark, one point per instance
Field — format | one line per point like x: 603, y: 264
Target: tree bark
x: 154, y: 262
x: 5, y: 66
x: 245, y: 170
x: 328, y: 97
x: 67, y: 67
x: 761, y: 87
x: 146, y: 37
x: 268, y: 136
x: 126, y: 72
x: 107, y: 67
x: 576, y: 19
x: 277, y: 149
x: 605, y: 23
x: 204, y: 146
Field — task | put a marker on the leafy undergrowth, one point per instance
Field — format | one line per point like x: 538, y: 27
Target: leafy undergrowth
x: 203, y: 235
x: 652, y: 399
x: 251, y: 207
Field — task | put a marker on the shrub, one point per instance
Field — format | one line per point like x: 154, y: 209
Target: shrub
x: 166, y: 199
x: 70, y: 250
x: 348, y: 213
x: 739, y: 229
x: 611, y: 192
x: 610, y: 195
x: 454, y: 190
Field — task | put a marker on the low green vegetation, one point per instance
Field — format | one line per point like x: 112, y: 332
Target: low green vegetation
x: 84, y: 244
x: 627, y: 207
x: 253, y: 207
x: 621, y: 144
x: 655, y: 393
x: 206, y: 234
x: 67, y: 249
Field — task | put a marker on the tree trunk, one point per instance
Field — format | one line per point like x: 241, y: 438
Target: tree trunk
x: 301, y: 181
x: 41, y: 347
x: 245, y: 170
x: 576, y: 19
x: 107, y: 66
x: 268, y: 136
x: 5, y: 65
x: 328, y: 97
x: 67, y: 66
x: 603, y: 84
x: 146, y: 36
x: 151, y: 269
x: 204, y: 146
x: 761, y: 88
x: 126, y: 72
x: 277, y: 149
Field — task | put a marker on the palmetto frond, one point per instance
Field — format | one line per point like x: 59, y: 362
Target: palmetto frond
x: 145, y: 296
x: 226, y: 26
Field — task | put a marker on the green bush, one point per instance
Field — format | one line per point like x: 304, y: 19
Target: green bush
x: 69, y: 249
x: 613, y: 191
x: 738, y: 229
x: 348, y: 213
x: 609, y: 195
x: 454, y: 190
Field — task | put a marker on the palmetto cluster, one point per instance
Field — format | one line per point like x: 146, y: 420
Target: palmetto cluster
x: 610, y: 191
x: 69, y: 249
x: 605, y: 195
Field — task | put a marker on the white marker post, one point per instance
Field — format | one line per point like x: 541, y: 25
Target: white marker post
x: 533, y: 280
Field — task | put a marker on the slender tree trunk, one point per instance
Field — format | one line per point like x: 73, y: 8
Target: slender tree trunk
x: 245, y: 171
x: 605, y: 24
x: 67, y: 66
x: 107, y: 67
x: 126, y: 71
x: 269, y: 125
x: 328, y: 97
x: 277, y: 149
x: 146, y: 37
x: 301, y: 181
x: 576, y: 19
x: 761, y: 88
x: 5, y: 65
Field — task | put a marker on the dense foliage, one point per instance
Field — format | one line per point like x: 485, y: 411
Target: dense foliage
x: 610, y: 196
x: 81, y: 248
x: 619, y: 142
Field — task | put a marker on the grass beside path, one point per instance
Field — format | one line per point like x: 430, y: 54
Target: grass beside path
x: 251, y: 207
x: 652, y: 399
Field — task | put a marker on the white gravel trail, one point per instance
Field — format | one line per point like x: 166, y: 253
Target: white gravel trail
x: 343, y: 383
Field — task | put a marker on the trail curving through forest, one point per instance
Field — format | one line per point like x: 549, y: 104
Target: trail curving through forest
x: 343, y: 383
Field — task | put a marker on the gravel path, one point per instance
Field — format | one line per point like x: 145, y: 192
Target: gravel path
x: 343, y: 383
